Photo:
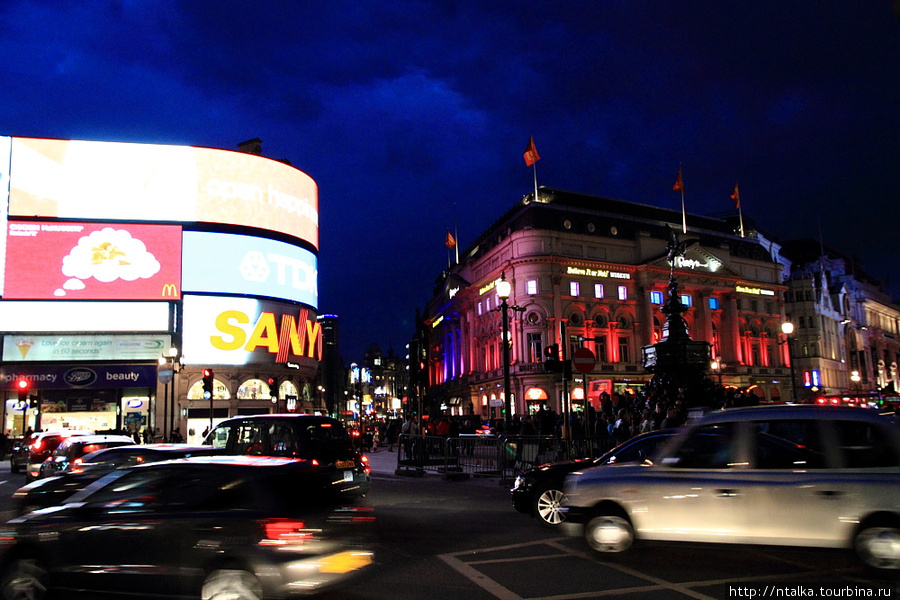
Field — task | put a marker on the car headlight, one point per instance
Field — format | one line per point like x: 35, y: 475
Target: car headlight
x: 519, y: 482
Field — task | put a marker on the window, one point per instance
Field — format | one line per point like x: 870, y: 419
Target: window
x: 600, y: 348
x: 623, y: 350
x: 623, y: 292
x: 714, y: 303
x: 573, y: 288
x: 656, y: 297
x: 598, y: 290
x: 686, y: 299
x: 534, y: 347
x: 479, y: 308
x: 864, y: 446
x: 788, y: 444
x: 531, y: 287
x: 709, y: 447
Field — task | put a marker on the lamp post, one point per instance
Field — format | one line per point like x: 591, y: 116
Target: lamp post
x: 717, y: 366
x: 855, y: 378
x: 788, y: 328
x: 504, y: 289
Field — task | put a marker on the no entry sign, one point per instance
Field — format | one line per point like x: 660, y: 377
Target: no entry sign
x: 584, y: 360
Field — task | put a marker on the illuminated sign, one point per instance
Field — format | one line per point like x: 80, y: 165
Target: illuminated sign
x: 754, y: 290
x: 56, y: 317
x: 52, y: 377
x: 605, y: 273
x: 535, y: 393
x: 437, y: 321
x: 17, y: 348
x: 249, y: 265
x: 240, y: 331
x: 485, y: 289
x: 149, y: 182
x: 812, y: 378
x: 5, y: 145
x: 92, y: 261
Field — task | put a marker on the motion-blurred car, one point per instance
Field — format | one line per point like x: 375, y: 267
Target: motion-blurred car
x: 203, y: 527
x: 50, y: 491
x: 71, y: 451
x: 320, y: 442
x: 41, y: 445
x: 18, y: 454
x: 783, y: 475
x: 538, y: 491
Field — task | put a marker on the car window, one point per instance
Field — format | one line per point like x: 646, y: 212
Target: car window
x: 637, y: 451
x: 153, y: 489
x: 788, y: 444
x: 219, y: 436
x: 325, y: 433
x: 282, y: 441
x: 249, y: 439
x: 864, y: 445
x: 707, y: 447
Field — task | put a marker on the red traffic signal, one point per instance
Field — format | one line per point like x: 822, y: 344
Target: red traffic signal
x: 23, y: 386
x: 208, y: 383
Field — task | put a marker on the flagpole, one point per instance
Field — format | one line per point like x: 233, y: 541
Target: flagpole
x: 456, y: 232
x: 741, y: 217
x: 683, y: 215
x: 534, y: 166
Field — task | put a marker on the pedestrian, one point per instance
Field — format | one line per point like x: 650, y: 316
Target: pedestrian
x: 176, y: 437
x: 410, y: 429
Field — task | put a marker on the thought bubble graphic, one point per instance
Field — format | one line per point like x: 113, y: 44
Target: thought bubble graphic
x: 107, y: 255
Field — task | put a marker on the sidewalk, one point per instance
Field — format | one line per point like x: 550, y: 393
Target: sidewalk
x: 384, y: 465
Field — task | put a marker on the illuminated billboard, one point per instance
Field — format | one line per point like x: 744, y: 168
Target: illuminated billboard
x: 5, y: 143
x: 243, y: 331
x: 149, y: 182
x: 49, y: 316
x: 248, y: 265
x: 92, y: 261
x: 27, y: 348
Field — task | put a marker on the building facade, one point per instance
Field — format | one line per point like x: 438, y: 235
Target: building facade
x: 847, y: 329
x: 131, y: 268
x: 592, y: 272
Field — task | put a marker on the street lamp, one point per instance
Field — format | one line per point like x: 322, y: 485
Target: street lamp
x: 787, y: 328
x: 504, y: 289
x: 717, y: 366
x: 855, y: 378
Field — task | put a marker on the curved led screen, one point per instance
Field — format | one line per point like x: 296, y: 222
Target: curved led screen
x: 149, y: 182
x: 248, y: 265
x: 92, y: 261
x: 243, y: 331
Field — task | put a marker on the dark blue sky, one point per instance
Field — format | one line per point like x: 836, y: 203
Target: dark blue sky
x: 401, y: 110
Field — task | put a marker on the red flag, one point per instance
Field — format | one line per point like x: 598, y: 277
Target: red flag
x: 736, y: 197
x: 679, y: 183
x: 531, y: 155
x: 450, y: 241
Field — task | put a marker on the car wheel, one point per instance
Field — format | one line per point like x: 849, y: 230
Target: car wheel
x: 24, y: 579
x: 609, y: 533
x: 231, y: 584
x: 547, y: 504
x: 878, y: 546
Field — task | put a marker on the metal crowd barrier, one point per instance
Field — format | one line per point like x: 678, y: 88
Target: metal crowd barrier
x: 491, y: 456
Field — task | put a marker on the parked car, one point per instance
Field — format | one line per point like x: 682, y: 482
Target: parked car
x: 41, y: 445
x: 783, y: 475
x: 18, y: 453
x: 51, y: 491
x: 538, y: 491
x: 321, y: 442
x: 202, y: 527
x: 71, y: 451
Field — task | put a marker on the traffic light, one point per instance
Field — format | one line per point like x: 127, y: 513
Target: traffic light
x: 207, y: 384
x: 23, y: 386
x: 551, y: 359
x: 273, y: 389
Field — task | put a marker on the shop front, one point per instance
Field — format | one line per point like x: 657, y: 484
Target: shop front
x: 84, y: 398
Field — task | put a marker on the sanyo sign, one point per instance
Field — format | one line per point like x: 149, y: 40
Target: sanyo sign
x: 248, y: 265
x: 242, y: 331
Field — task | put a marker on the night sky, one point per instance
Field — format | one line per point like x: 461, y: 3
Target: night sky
x: 413, y: 116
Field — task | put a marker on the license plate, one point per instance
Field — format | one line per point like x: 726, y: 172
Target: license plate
x: 345, y: 464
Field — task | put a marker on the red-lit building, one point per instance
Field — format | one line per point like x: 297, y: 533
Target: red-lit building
x: 588, y: 271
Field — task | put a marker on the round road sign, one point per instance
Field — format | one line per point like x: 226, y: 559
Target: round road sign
x: 584, y: 360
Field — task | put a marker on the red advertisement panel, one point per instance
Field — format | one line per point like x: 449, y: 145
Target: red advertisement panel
x: 92, y: 261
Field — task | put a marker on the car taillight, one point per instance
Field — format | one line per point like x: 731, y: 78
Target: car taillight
x: 284, y: 532
x: 365, y: 463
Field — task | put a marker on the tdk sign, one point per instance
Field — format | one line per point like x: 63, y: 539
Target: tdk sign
x: 248, y: 265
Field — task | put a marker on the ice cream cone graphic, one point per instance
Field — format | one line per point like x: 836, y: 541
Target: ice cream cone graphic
x: 24, y: 345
